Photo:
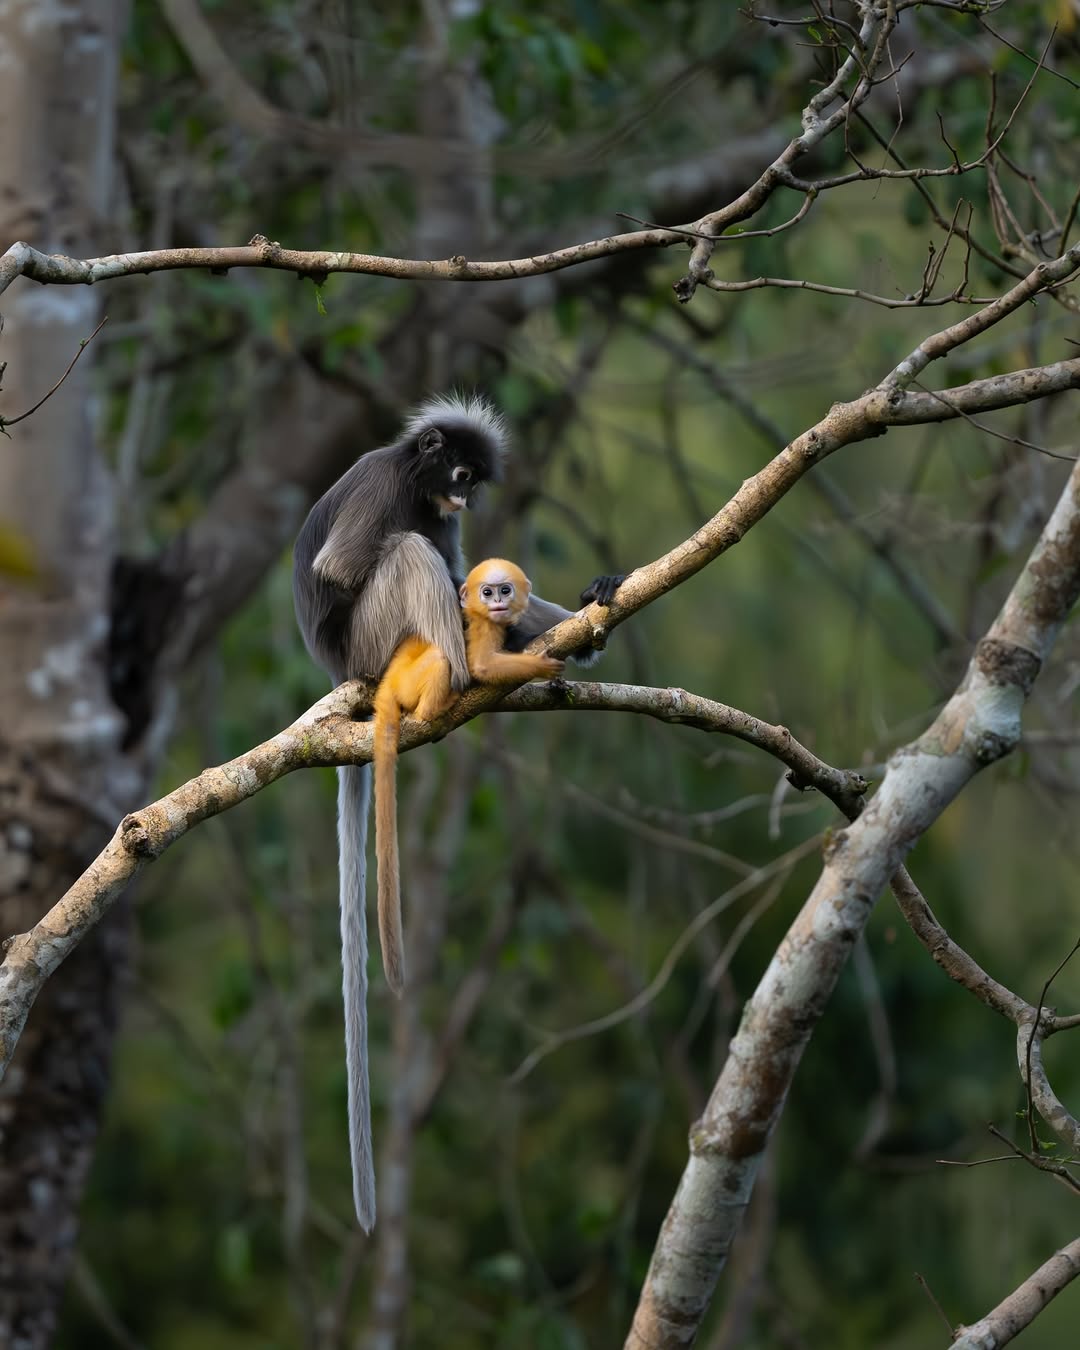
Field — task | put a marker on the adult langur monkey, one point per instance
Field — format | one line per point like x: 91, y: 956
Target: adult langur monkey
x: 379, y: 560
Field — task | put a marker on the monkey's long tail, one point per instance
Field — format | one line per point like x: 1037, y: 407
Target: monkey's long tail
x: 387, y: 730
x: 354, y: 793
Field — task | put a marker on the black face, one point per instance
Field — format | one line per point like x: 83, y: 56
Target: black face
x: 451, y: 465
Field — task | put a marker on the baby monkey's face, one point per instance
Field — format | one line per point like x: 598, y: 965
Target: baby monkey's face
x: 499, y: 596
x: 497, y: 590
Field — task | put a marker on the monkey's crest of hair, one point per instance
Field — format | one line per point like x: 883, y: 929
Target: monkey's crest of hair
x: 469, y: 412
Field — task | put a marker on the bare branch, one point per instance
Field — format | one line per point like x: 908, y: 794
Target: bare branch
x: 1033, y: 1023
x: 1023, y: 1305
x: 1000, y: 435
x: 1041, y: 278
x: 872, y: 39
x: 139, y: 839
x: 951, y: 957
x: 844, y: 424
x: 324, y: 735
x: 208, y: 56
x: 965, y: 233
x: 933, y: 1301
x: 57, y: 270
x: 1054, y: 1169
x: 843, y: 787
x: 979, y: 725
x: 1034, y: 60
x: 1041, y: 1096
x: 923, y: 598
x: 777, y: 871
x: 811, y: 194
x: 6, y: 422
x: 917, y: 301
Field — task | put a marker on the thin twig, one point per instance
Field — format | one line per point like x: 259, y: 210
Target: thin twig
x: 810, y: 192
x: 949, y: 145
x: 1040, y: 1164
x: 6, y: 422
x: 1026, y: 55
x: 555, y: 1040
x: 978, y: 1162
x: 853, y: 293
x: 1034, y: 1032
x: 933, y: 1300
x: 1074, y: 205
x: 989, y: 431
x: 1020, y: 101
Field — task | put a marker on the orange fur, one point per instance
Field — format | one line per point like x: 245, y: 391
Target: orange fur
x: 485, y: 634
x: 416, y: 681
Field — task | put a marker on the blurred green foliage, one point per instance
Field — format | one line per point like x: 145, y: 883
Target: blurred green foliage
x: 535, y: 1205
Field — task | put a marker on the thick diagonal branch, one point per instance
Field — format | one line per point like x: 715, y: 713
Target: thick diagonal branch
x: 1024, y: 1304
x: 979, y: 724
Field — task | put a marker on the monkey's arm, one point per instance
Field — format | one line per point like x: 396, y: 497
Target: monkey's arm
x: 544, y: 614
x: 348, y: 557
x: 489, y: 664
x: 538, y: 618
x: 515, y: 668
x: 348, y: 527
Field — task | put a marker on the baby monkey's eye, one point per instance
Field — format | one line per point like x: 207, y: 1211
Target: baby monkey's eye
x: 506, y: 590
x: 486, y: 592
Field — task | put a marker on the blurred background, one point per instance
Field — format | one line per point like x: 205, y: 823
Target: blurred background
x: 560, y: 870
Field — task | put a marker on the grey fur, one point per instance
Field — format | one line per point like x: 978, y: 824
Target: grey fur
x: 454, y: 410
x: 409, y: 567
x: 354, y: 796
x: 377, y: 561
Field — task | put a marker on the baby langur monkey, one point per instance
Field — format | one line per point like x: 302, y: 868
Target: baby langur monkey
x: 417, y: 681
x: 494, y: 596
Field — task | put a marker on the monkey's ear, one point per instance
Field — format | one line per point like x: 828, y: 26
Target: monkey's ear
x: 463, y: 594
x: 431, y: 439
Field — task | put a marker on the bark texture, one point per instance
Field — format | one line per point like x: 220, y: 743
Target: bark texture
x: 59, y: 731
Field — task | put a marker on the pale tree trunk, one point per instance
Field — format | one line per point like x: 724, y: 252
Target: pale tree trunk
x: 62, y: 775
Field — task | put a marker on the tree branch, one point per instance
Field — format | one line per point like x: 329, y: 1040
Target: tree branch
x: 844, y: 424
x: 136, y: 841
x: 1023, y: 1305
x: 979, y: 725
x: 1030, y: 1034
x: 57, y: 270
x: 325, y: 735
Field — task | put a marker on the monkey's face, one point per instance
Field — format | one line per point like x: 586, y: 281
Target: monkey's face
x: 498, y: 598
x: 498, y: 594
x: 456, y: 490
x: 451, y: 467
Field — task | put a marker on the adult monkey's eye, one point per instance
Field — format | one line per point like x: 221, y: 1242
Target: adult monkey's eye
x: 461, y: 474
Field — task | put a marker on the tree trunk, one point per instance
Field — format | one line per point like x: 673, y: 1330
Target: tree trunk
x: 63, y: 778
